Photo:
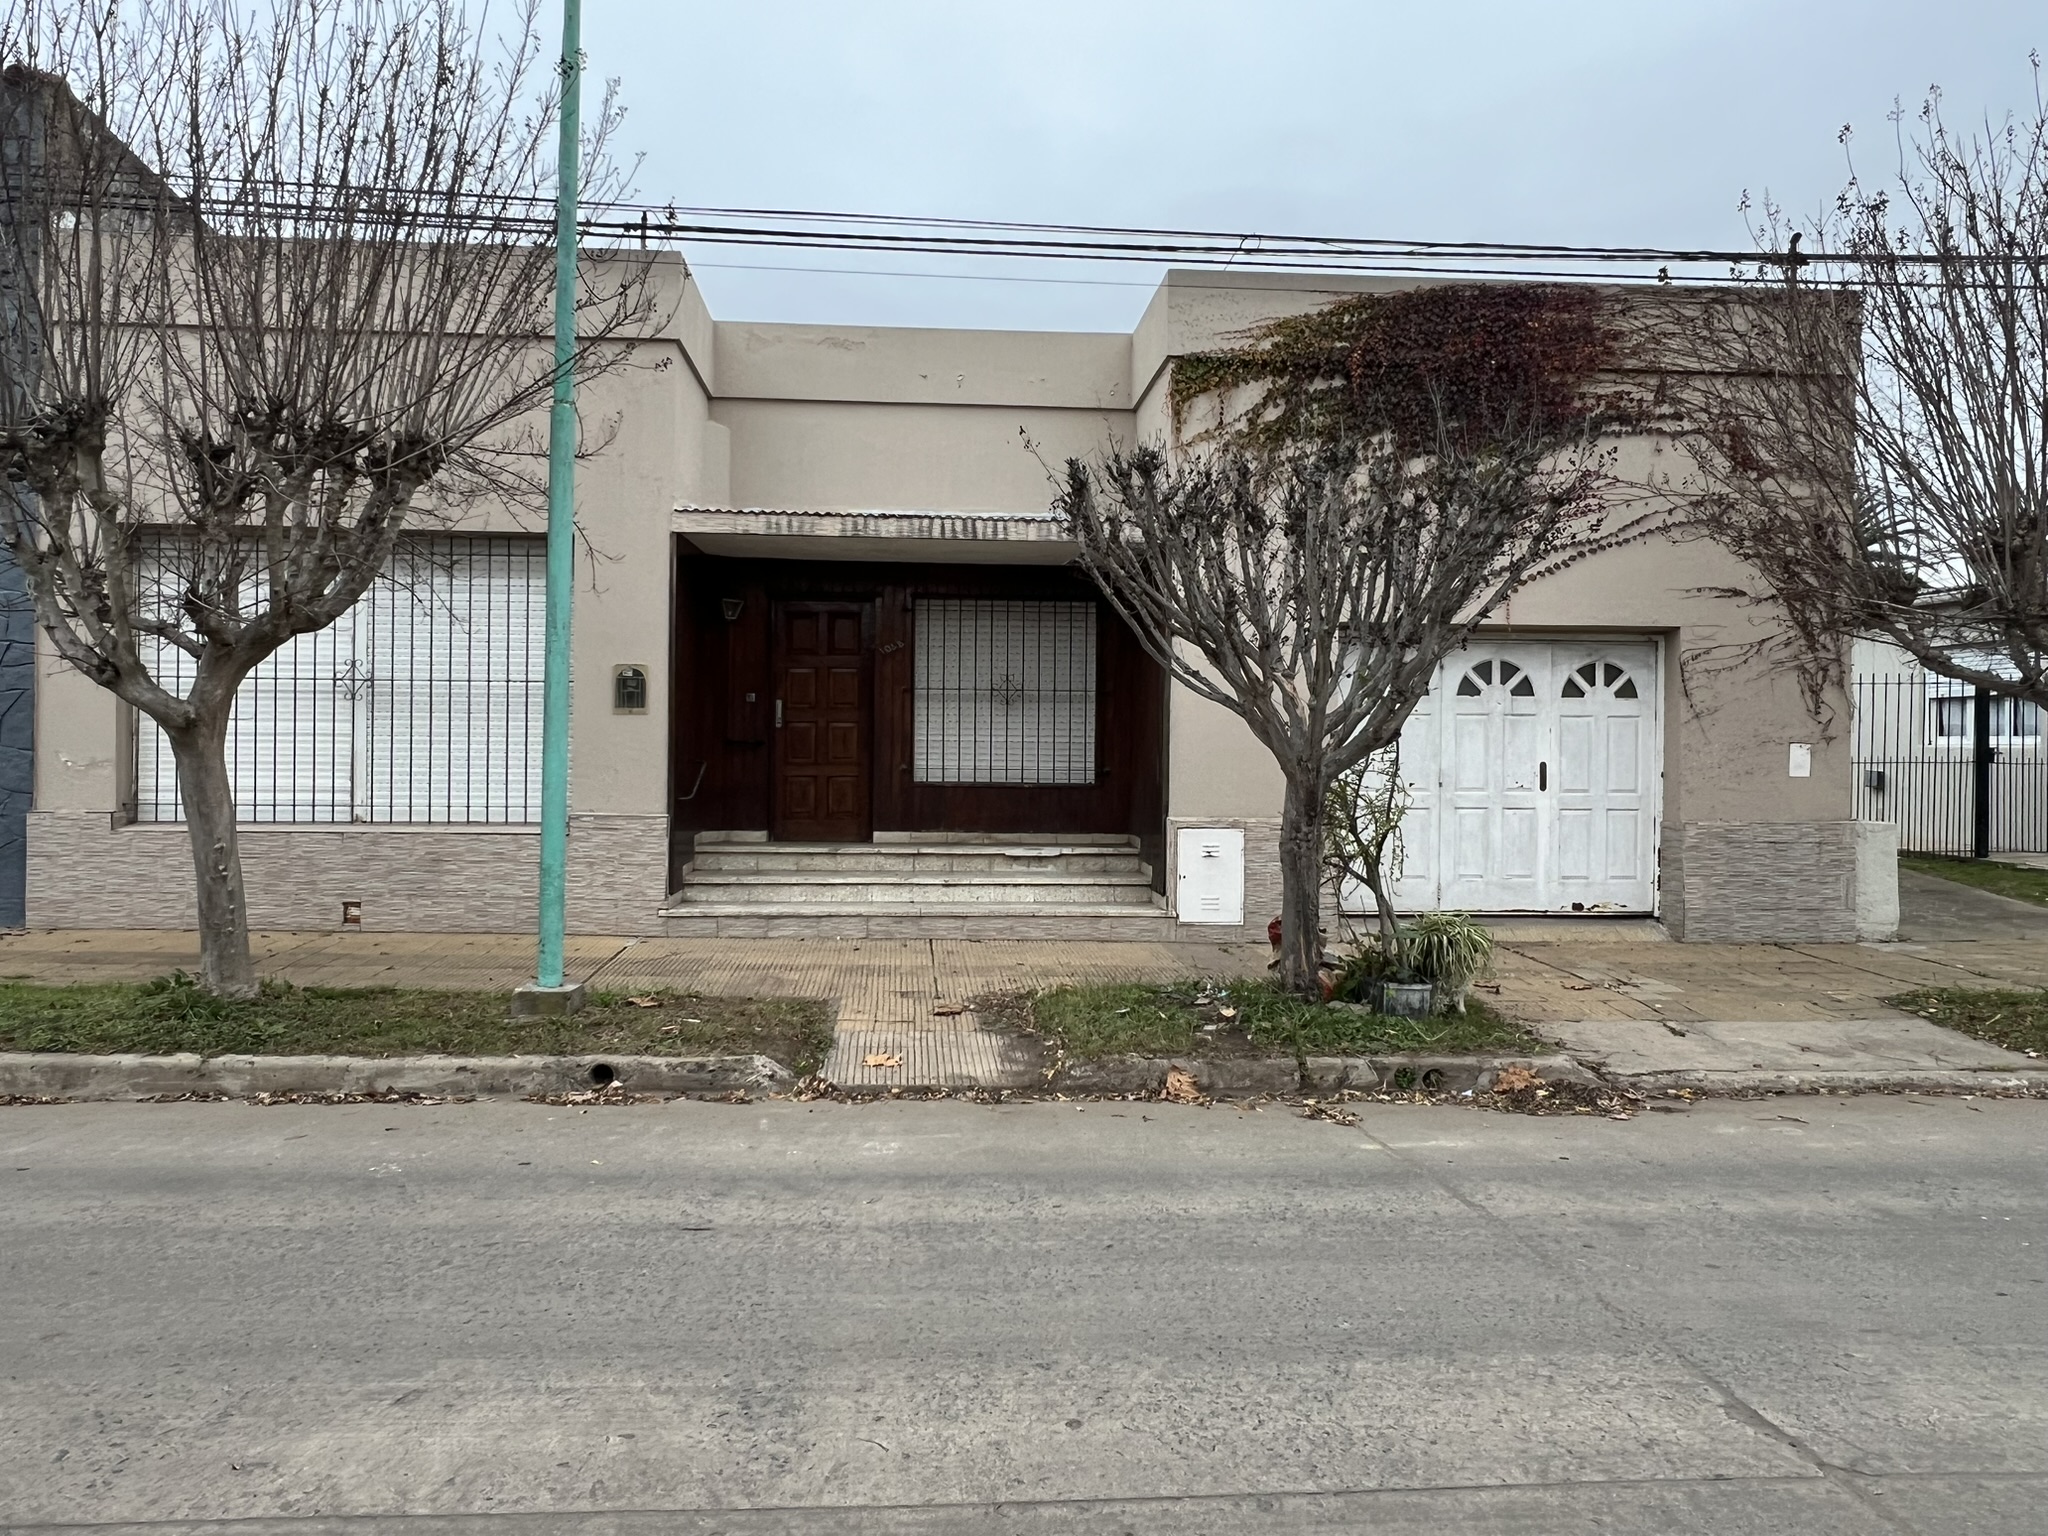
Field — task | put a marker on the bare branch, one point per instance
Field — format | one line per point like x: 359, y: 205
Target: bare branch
x: 1872, y: 435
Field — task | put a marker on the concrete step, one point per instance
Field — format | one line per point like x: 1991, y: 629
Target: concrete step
x: 1019, y: 889
x: 1090, y: 839
x: 915, y: 920
x: 893, y: 859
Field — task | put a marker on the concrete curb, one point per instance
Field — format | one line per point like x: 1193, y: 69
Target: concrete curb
x: 38, y: 1074
x: 1435, y: 1074
x: 1752, y: 1080
x: 1250, y: 1077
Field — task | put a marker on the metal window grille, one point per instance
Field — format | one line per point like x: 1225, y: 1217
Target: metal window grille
x: 421, y: 704
x: 1915, y: 764
x: 1004, y: 692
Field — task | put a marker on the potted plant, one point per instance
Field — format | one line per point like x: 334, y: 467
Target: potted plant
x: 1381, y: 974
x: 1424, y: 966
x: 1447, y: 949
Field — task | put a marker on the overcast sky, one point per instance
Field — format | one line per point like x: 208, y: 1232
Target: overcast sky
x: 1582, y: 122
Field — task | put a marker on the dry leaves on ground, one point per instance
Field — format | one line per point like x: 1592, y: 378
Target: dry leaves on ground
x: 644, y: 1002
x: 948, y: 1010
x: 1181, y: 1088
x: 1559, y: 1098
x: 1317, y: 1109
x: 881, y: 1059
x: 1509, y: 1079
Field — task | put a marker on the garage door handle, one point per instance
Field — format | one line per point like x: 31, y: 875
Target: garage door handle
x: 1543, y: 775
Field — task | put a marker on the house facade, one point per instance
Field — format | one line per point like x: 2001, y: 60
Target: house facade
x: 836, y: 673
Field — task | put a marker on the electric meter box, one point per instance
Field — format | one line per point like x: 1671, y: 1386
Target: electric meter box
x: 1209, y: 875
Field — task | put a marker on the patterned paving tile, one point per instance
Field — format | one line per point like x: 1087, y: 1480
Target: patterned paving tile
x: 931, y: 1058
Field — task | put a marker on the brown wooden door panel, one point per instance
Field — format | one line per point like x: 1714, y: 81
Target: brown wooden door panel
x: 824, y: 741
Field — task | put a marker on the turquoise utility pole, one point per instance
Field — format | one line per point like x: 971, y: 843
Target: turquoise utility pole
x: 554, y: 759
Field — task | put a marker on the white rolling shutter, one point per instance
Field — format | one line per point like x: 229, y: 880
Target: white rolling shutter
x: 455, y: 658
x: 421, y: 704
x: 1004, y: 692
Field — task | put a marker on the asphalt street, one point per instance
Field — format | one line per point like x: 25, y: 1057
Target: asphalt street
x: 1788, y: 1315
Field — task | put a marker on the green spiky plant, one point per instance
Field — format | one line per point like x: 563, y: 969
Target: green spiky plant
x: 1448, y: 949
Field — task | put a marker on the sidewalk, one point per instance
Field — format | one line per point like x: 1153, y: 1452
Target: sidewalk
x: 1621, y: 995
x: 1777, y: 1015
x: 888, y: 991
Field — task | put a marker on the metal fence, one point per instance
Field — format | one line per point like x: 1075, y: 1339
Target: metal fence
x: 421, y: 704
x: 1005, y: 692
x: 1959, y: 771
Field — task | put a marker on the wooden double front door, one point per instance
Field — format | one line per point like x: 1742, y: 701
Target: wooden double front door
x: 824, y: 723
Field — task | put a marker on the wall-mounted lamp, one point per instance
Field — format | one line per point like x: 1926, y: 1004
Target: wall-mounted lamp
x: 629, y: 690
x: 732, y: 606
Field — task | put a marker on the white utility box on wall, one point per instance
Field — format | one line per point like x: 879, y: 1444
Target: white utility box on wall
x: 1209, y: 885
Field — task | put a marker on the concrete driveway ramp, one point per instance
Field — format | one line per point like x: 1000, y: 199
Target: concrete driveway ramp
x: 1898, y: 1043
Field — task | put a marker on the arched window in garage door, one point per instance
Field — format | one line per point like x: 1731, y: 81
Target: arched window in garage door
x: 1596, y: 677
x: 1490, y: 673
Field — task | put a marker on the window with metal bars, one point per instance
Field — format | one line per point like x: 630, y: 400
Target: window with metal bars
x: 421, y: 704
x: 1004, y: 692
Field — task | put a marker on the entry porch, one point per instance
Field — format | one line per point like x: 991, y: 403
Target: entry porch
x: 909, y: 747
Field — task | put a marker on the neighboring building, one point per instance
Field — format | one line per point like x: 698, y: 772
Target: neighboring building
x: 1914, y: 760
x: 835, y: 674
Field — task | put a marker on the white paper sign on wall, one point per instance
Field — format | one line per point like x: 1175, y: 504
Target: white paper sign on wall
x: 1801, y: 764
x: 1209, y: 886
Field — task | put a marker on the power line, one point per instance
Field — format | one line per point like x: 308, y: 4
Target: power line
x: 1356, y: 270
x: 456, y: 214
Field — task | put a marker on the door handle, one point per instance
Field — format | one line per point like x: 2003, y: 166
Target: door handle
x: 778, y: 714
x: 1543, y: 776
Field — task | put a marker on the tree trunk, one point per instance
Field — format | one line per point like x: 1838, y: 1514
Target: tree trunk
x: 1301, y: 891
x: 225, y: 966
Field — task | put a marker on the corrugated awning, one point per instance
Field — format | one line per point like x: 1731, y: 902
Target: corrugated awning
x: 994, y: 538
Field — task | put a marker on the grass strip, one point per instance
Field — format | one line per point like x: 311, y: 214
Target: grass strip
x: 173, y: 1014
x: 2016, y: 1020
x: 2014, y: 880
x: 1251, y: 1018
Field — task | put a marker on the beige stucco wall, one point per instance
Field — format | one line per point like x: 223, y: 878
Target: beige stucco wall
x: 909, y: 366
x: 871, y: 456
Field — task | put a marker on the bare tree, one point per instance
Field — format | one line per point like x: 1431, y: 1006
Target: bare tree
x: 1310, y: 578
x: 1869, y: 412
x: 278, y: 294
x: 1362, y: 816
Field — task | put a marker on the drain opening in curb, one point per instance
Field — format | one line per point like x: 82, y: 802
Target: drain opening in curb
x: 602, y: 1076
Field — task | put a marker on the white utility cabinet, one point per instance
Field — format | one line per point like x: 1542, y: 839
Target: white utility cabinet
x: 1209, y: 886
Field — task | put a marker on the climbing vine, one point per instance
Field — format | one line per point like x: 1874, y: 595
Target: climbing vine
x: 1468, y: 360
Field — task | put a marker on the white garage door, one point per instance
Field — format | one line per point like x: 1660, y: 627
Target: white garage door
x: 1533, y: 769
